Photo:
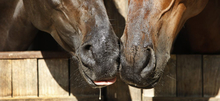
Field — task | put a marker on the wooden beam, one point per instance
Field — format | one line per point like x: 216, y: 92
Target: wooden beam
x: 24, y: 78
x: 53, y: 77
x: 180, y: 99
x: 189, y: 76
x: 211, y: 75
x: 75, y: 98
x: 5, y: 78
x: 33, y: 54
x: 94, y: 98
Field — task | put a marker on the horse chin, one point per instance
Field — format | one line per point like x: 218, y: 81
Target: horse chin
x: 96, y: 84
x: 150, y: 85
x: 86, y: 77
x: 144, y: 85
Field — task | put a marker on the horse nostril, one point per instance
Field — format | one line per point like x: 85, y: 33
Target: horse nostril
x: 86, y: 55
x: 148, y: 50
x: 87, y: 47
x: 86, y: 50
x: 150, y: 64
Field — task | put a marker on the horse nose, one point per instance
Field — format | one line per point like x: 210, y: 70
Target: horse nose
x: 140, y: 69
x: 99, y: 58
x: 100, y: 50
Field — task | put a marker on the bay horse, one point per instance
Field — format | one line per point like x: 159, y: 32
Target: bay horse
x: 81, y: 27
x: 151, y: 29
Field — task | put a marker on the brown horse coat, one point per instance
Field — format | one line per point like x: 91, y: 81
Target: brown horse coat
x: 81, y: 27
x: 151, y: 28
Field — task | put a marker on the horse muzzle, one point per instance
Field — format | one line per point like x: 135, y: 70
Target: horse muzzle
x: 99, y: 61
x: 140, y: 71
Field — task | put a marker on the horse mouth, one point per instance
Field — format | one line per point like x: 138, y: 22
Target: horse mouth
x: 105, y: 82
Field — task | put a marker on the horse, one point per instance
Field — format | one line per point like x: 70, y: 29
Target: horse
x: 81, y: 27
x: 151, y: 29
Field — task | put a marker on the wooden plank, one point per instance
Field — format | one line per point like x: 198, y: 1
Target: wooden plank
x: 120, y: 90
x: 33, y: 54
x: 148, y: 92
x: 77, y: 98
x: 189, y: 78
x: 53, y: 77
x: 135, y: 93
x: 180, y: 99
x: 211, y: 75
x: 78, y: 85
x: 87, y: 98
x: 24, y: 77
x: 5, y: 78
x: 166, y: 87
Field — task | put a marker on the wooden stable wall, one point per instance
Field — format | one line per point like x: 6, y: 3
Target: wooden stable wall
x: 49, y: 76
x: 42, y: 76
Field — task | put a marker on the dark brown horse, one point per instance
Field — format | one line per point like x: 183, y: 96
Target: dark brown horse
x: 81, y: 27
x: 152, y: 26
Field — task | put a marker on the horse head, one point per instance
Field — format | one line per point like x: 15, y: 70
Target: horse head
x: 82, y: 28
x: 152, y: 26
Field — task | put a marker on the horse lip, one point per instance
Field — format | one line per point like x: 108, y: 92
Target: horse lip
x: 105, y: 82
x: 88, y: 80
x: 98, y: 84
x: 149, y: 86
